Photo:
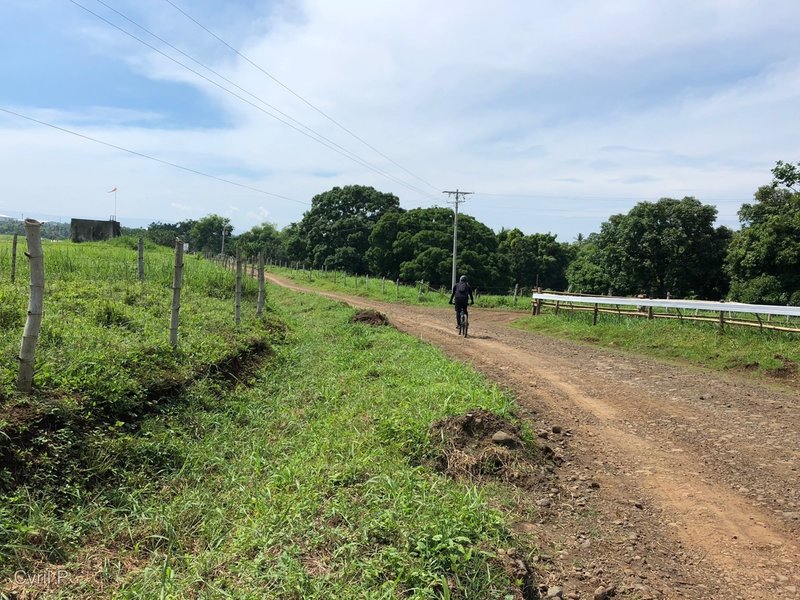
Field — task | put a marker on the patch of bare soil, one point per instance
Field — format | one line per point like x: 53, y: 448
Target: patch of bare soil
x: 480, y: 445
x: 369, y: 317
x: 675, y: 482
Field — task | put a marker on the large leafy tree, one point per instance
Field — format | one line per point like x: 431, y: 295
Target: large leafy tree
x: 764, y: 255
x: 335, y: 231
x: 262, y: 238
x: 164, y: 234
x: 659, y: 248
x: 418, y: 244
x: 206, y: 234
x: 587, y: 271
x: 536, y: 257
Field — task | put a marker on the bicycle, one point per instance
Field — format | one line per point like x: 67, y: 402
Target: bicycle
x: 463, y: 322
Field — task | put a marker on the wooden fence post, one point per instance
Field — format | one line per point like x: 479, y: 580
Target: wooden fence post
x: 260, y: 302
x: 238, y: 289
x: 721, y: 321
x: 594, y: 315
x: 141, y: 260
x: 397, y: 288
x: 14, y: 259
x: 33, y: 323
x: 177, y: 284
x: 383, y: 286
x: 538, y: 306
x: 516, y: 289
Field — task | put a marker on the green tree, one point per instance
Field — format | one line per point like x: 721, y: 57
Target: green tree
x: 586, y: 272
x: 418, y: 244
x: 658, y: 248
x: 787, y: 175
x: 206, y: 234
x: 262, y: 238
x: 164, y: 234
x: 335, y: 232
x: 536, y: 257
x: 764, y: 255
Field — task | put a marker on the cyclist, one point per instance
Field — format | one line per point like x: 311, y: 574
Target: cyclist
x: 462, y: 291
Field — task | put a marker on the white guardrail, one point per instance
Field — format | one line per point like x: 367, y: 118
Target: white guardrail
x: 733, y: 307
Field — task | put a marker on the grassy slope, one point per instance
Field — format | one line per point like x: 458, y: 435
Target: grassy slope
x: 103, y: 363
x: 316, y: 493
x: 302, y: 484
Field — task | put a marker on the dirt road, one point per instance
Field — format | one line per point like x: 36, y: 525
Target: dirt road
x: 676, y: 482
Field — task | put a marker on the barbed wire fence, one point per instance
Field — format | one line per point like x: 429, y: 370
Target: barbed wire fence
x: 118, y: 274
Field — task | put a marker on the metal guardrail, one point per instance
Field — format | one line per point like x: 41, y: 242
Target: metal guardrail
x: 728, y: 307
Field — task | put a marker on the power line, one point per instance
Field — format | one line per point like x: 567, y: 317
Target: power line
x: 291, y: 91
x: 153, y: 158
x: 310, y: 133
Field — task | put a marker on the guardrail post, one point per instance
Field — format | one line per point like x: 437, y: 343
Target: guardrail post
x: 594, y: 314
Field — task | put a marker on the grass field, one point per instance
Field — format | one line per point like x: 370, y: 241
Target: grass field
x: 770, y: 353
x: 305, y: 471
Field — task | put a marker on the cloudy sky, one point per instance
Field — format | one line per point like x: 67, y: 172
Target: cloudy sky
x: 556, y: 114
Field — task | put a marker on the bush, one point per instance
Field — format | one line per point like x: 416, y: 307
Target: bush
x: 765, y: 289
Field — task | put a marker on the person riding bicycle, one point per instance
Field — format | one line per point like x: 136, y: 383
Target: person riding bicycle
x: 462, y: 291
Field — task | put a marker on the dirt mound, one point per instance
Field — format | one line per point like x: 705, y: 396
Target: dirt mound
x: 369, y: 317
x: 482, y: 445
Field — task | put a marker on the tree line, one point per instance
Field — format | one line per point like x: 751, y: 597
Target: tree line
x: 667, y: 247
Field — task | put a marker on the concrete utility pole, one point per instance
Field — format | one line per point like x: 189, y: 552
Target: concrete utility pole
x: 459, y: 198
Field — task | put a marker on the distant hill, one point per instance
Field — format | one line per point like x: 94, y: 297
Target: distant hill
x: 50, y: 230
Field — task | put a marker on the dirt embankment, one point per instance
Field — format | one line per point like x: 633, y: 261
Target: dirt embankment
x: 674, y: 482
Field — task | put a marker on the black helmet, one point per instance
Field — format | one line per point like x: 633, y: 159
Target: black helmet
x: 463, y: 279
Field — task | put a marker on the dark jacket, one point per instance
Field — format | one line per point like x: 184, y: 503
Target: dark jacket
x: 462, y: 291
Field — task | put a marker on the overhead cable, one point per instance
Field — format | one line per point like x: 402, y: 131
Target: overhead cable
x: 295, y: 94
x: 310, y: 133
x: 153, y: 158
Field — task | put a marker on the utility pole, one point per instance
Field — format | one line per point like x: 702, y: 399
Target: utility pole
x: 459, y: 195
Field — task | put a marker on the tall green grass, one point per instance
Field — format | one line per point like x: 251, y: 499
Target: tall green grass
x: 103, y: 364
x: 104, y: 336
x: 305, y: 483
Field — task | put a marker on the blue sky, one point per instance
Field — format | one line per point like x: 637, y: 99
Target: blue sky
x: 556, y: 114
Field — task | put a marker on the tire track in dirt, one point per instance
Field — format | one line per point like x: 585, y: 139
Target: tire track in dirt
x: 717, y: 472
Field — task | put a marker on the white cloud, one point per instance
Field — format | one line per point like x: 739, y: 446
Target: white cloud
x: 625, y: 99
